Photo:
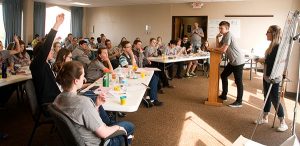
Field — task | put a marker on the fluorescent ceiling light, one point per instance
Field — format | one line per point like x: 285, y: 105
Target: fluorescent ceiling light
x: 81, y: 4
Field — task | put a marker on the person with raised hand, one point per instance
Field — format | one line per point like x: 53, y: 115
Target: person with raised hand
x: 42, y: 74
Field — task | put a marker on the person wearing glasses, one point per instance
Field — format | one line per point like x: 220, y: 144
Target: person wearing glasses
x: 228, y: 45
x: 56, y: 47
x: 274, y: 35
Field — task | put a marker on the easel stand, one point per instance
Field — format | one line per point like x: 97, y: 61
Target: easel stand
x: 296, y: 100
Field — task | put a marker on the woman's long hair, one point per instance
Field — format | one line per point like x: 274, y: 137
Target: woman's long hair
x: 60, y: 59
x: 276, y: 37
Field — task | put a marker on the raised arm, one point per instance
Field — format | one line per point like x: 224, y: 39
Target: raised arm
x: 45, y: 49
x: 18, y: 47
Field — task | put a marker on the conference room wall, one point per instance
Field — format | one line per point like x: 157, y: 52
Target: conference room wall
x: 28, y: 20
x: 293, y: 67
x: 130, y: 21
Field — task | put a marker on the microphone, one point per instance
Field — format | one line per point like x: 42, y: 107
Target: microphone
x: 296, y: 37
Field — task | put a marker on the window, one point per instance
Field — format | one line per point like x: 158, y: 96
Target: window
x: 51, y: 13
x: 2, y: 30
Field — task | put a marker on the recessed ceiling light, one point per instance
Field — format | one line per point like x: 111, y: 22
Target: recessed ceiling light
x: 81, y: 4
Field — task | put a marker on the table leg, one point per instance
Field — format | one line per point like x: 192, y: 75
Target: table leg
x: 250, y: 69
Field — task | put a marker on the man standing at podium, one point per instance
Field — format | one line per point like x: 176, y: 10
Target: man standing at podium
x: 236, y: 63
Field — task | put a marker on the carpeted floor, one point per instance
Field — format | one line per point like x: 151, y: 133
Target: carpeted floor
x: 183, y: 120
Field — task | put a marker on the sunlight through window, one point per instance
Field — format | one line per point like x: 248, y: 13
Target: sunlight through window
x: 51, y: 13
x: 202, y: 133
x: 2, y: 30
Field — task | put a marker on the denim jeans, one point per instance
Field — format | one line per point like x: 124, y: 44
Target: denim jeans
x: 154, y: 87
x: 273, y: 97
x: 128, y: 126
x: 119, y: 140
x: 238, y: 78
x: 103, y: 115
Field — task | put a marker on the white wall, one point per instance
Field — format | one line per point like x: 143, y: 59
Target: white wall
x: 28, y: 20
x: 293, y: 67
x: 130, y: 21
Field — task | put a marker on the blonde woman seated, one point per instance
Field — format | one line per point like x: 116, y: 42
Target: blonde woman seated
x: 98, y: 66
x: 83, y: 111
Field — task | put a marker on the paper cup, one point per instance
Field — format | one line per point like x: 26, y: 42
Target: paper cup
x: 143, y: 75
x: 123, y: 99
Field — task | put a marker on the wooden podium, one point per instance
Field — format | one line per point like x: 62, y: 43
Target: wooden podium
x: 213, y: 81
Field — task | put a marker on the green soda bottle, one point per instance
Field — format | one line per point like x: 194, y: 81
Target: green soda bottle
x: 106, y: 80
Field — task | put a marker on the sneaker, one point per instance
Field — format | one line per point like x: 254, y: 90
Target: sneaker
x: 147, y: 103
x: 192, y: 74
x: 261, y: 121
x: 223, y: 97
x: 121, y: 115
x: 188, y: 75
x: 157, y: 103
x: 236, y: 104
x: 282, y: 127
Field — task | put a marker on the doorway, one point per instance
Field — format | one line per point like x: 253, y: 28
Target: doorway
x: 183, y: 25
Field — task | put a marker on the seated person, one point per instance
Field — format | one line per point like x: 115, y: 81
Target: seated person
x: 56, y: 47
x: 23, y: 57
x: 83, y: 111
x: 152, y: 51
x: 68, y: 40
x: 205, y: 48
x: 113, y: 53
x: 186, y: 44
x: 128, y: 58
x: 92, y: 44
x: 180, y: 51
x: 73, y: 45
x: 63, y: 56
x: 190, y: 71
x: 82, y: 54
x: 42, y: 76
x: 36, y: 39
x: 6, y: 91
x: 138, y: 51
x: 98, y: 66
x: 191, y: 64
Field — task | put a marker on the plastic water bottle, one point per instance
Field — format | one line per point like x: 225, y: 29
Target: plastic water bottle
x: 4, y: 70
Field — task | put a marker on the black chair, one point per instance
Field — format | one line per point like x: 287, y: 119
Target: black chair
x: 67, y: 129
x: 36, y: 110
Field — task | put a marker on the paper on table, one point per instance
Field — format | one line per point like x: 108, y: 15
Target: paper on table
x: 292, y: 141
x: 151, y: 69
x: 114, y: 93
x: 242, y: 141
